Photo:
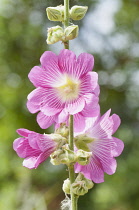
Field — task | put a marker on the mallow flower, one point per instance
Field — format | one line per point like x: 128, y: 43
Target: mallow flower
x: 65, y: 85
x: 34, y: 147
x: 97, y: 138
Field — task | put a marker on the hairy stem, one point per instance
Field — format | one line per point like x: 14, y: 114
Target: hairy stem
x: 66, y: 20
x: 71, y: 120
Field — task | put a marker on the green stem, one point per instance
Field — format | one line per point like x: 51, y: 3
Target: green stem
x: 66, y: 20
x: 71, y: 143
x: 71, y: 166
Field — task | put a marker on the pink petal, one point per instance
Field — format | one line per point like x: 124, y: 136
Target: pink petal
x: 85, y: 62
x: 89, y: 82
x: 62, y: 116
x: 24, y: 132
x: 117, y: 147
x: 30, y: 162
x: 23, y: 149
x: 45, y: 121
x: 75, y: 107
x: 91, y: 108
x: 116, y: 122
x: 67, y: 62
x: 92, y: 171
x: 79, y: 122
x: 103, y: 129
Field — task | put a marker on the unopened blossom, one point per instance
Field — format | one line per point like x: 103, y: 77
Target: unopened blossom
x: 34, y: 147
x: 102, y: 144
x: 65, y: 85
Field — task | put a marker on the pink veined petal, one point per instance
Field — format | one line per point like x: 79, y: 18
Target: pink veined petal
x: 85, y: 63
x: 103, y: 129
x: 62, y: 116
x: 79, y: 122
x: 49, y: 111
x: 89, y: 82
x: 30, y: 162
x: 117, y: 147
x: 92, y: 171
x: 33, y: 108
x: 36, y: 99
x: 49, y: 62
x: 116, y: 122
x: 33, y: 140
x: 67, y: 62
x: 45, y: 143
x: 97, y: 90
x: 101, y: 148
x: 52, y: 101
x: 45, y: 121
x: 75, y: 107
x: 92, y: 108
x: 24, y: 132
x: 23, y: 149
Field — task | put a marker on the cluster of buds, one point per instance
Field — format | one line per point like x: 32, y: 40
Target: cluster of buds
x: 57, y: 33
x: 80, y: 186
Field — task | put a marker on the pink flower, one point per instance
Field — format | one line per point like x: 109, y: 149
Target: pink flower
x: 104, y: 147
x: 64, y: 85
x: 34, y: 147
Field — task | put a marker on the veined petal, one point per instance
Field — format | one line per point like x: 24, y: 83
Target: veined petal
x: 23, y: 149
x: 117, y: 147
x: 67, y: 61
x: 75, y: 107
x: 92, y: 171
x: 23, y: 132
x: 79, y: 122
x: 116, y: 122
x: 89, y: 82
x: 85, y: 62
x: 62, y: 117
x: 92, y: 108
x: 45, y: 121
x: 103, y: 129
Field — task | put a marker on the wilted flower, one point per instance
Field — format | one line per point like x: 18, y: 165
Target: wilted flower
x: 34, y: 147
x: 65, y: 85
x: 104, y: 147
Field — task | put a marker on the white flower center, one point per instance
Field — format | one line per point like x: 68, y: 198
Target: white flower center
x: 69, y: 89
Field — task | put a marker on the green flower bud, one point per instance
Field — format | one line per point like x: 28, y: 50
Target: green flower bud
x: 71, y: 32
x: 88, y: 182
x: 63, y: 130
x: 82, y: 140
x: 68, y: 156
x: 55, y: 13
x: 82, y: 157
x: 63, y: 156
x: 59, y: 139
x: 79, y: 188
x: 78, y: 12
x: 55, y: 34
x: 66, y: 186
x: 55, y: 160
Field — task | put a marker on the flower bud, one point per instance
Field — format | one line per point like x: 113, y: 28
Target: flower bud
x: 63, y: 156
x: 78, y: 12
x: 79, y: 188
x: 82, y: 157
x: 55, y: 13
x: 55, y: 34
x: 88, y: 182
x: 63, y: 130
x: 82, y: 140
x: 59, y: 139
x: 71, y: 32
x: 66, y: 186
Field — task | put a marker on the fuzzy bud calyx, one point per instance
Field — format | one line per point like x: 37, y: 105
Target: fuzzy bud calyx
x: 78, y: 12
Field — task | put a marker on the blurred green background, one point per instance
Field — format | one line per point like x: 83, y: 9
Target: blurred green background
x: 110, y: 31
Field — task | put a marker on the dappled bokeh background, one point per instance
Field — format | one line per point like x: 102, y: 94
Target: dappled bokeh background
x: 110, y: 31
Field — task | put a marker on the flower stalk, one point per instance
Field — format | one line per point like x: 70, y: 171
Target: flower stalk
x: 66, y: 20
x: 71, y: 144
